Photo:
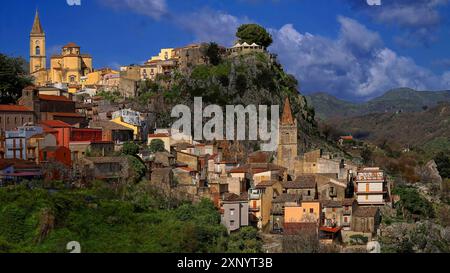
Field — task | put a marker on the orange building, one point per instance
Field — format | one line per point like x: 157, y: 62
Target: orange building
x: 307, y: 212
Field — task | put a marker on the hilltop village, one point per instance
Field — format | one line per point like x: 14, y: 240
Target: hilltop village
x: 75, y: 122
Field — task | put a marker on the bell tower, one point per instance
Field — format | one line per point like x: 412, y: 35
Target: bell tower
x: 287, y: 145
x: 38, y: 56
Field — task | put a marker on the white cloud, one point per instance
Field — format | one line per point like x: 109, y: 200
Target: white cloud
x: 152, y: 8
x: 420, y: 19
x: 355, y: 65
x: 209, y: 25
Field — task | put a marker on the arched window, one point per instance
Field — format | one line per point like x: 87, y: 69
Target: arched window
x: 38, y: 51
x: 72, y: 78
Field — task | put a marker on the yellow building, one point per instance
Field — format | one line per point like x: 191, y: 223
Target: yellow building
x: 68, y: 67
x: 96, y: 77
x: 135, y: 129
x: 164, y: 55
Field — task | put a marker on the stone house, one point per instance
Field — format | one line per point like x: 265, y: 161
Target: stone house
x: 235, y: 211
x: 304, y: 185
x: 110, y: 169
x: 260, y: 202
x: 332, y: 213
x: 13, y: 116
x: 366, y: 220
x: 278, y: 208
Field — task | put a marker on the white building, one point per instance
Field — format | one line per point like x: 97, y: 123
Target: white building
x: 371, y: 186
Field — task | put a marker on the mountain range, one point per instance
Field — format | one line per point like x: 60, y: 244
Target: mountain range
x: 394, y: 101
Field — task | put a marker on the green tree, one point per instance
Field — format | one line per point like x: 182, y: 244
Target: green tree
x: 130, y: 148
x: 157, y: 145
x: 443, y: 164
x: 13, y: 78
x: 367, y: 155
x: 212, y: 51
x: 253, y: 33
x: 411, y: 202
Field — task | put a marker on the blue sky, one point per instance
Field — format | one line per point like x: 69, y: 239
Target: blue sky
x: 343, y: 47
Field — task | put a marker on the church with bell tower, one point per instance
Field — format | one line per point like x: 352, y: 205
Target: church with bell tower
x: 38, y: 56
x: 69, y: 67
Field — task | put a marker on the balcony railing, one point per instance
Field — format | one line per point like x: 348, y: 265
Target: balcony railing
x: 254, y: 196
x: 254, y: 209
x: 347, y: 212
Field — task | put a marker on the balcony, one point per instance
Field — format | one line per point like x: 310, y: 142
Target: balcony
x: 347, y: 212
x: 254, y: 209
x: 254, y: 196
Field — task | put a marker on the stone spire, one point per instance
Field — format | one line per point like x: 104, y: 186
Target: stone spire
x: 37, y: 27
x: 286, y: 117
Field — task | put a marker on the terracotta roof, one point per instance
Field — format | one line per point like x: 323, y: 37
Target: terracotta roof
x: 109, y: 125
x: 347, y: 137
x: 55, y: 124
x: 53, y: 98
x: 187, y: 169
x: 158, y: 135
x: 71, y: 44
x: 259, y: 157
x: 285, y: 197
x: 332, y: 230
x: 255, y: 168
x: 348, y: 201
x: 366, y: 212
x: 286, y: 117
x: 14, y: 108
x: 302, y: 182
x: 296, y: 228
x: 232, y: 197
x: 64, y: 114
x: 331, y: 204
x: 265, y: 184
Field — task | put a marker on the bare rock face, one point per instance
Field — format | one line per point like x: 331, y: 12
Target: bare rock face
x: 429, y: 173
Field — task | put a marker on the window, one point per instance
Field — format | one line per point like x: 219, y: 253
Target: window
x: 232, y: 223
x: 311, y: 210
x: 367, y: 197
x: 345, y: 219
x: 231, y: 212
x: 44, y: 156
x: 38, y: 51
x: 309, y: 193
x: 72, y: 78
x: 367, y: 187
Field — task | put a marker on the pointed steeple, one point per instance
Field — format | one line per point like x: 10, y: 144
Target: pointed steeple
x: 37, y: 27
x: 286, y: 117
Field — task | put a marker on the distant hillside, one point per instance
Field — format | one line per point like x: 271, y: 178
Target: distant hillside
x: 428, y: 129
x: 402, y: 99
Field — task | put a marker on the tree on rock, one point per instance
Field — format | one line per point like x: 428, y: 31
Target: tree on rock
x: 253, y: 33
x: 157, y: 145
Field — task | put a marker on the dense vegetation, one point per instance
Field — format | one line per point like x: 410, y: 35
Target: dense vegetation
x: 41, y: 220
x: 13, y: 78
